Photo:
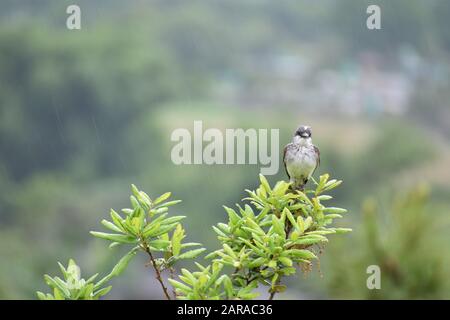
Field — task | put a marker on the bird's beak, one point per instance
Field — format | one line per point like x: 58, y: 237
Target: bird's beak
x: 304, y: 135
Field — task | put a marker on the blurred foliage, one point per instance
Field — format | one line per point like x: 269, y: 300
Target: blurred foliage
x: 67, y: 105
x: 401, y: 239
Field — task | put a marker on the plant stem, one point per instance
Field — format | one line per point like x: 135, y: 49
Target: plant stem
x: 158, y: 274
x: 172, y: 276
x: 272, y: 291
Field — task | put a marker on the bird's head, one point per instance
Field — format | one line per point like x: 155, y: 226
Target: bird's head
x: 303, y: 132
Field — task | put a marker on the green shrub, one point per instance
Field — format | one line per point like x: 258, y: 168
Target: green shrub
x: 277, y: 230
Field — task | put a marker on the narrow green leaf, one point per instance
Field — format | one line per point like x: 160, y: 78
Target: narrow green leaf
x: 310, y: 239
x: 53, y: 283
x: 63, y: 270
x: 123, y: 263
x: 162, y: 198
x: 151, y: 229
x: 159, y: 244
x: 278, y: 227
x: 114, y: 237
x: 117, y: 269
x: 265, y: 183
x: 286, y: 261
x: 92, y: 278
x: 190, y: 244
x: 219, y: 232
x: 323, y: 179
x: 111, y: 226
x: 229, y: 251
x: 180, y: 286
x: 58, y: 294
x: 308, y: 223
x: 134, y: 203
x: 332, y: 184
x: 334, y: 210
x: 163, y: 229
x: 114, y: 244
x: 333, y: 216
x: 188, y: 274
x: 41, y: 296
x: 256, y: 263
x: 301, y: 254
x: 127, y: 211
x: 191, y: 254
x: 177, y: 236
x: 291, y: 218
x: 324, y: 197
x: 301, y: 225
x: 102, y: 292
x: 135, y: 190
x: 173, y: 219
x: 168, y: 203
x: 342, y: 230
x: 117, y: 220
x: 233, y: 216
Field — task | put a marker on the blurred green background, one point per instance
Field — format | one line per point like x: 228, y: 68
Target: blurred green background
x: 83, y: 114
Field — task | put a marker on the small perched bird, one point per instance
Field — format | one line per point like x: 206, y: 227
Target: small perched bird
x: 301, y: 158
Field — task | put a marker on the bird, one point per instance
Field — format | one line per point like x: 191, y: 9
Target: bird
x: 301, y: 158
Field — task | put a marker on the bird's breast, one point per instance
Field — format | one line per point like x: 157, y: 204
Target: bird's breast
x: 300, y: 161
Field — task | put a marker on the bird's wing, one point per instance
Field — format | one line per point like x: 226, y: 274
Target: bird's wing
x: 317, y: 151
x: 284, y: 159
